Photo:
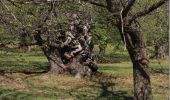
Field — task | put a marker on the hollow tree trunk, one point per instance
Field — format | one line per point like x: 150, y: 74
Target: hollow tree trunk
x: 137, y: 50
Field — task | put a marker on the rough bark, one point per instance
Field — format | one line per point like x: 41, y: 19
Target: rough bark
x: 77, y: 66
x: 142, y: 85
x: 137, y: 50
x: 55, y: 67
x: 54, y: 60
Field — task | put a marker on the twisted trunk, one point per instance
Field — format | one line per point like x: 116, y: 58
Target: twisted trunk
x: 77, y: 66
x: 142, y: 85
x: 69, y: 51
x: 137, y: 50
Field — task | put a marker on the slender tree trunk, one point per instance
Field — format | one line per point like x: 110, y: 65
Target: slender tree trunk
x: 29, y: 48
x: 137, y: 50
x: 100, y: 57
x: 102, y: 51
x: 159, y: 52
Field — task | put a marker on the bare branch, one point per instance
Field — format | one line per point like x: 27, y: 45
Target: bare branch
x: 109, y: 5
x: 13, y: 15
x: 94, y: 3
x: 9, y: 10
x: 147, y: 10
x: 127, y: 8
x: 13, y: 3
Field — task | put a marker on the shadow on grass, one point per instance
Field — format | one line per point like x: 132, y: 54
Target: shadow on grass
x: 9, y: 94
x: 121, y: 95
x: 6, y: 94
x: 108, y: 91
x: 102, y: 88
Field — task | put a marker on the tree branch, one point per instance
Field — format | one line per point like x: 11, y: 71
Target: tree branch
x: 109, y: 5
x: 94, y: 3
x: 13, y: 15
x: 13, y: 3
x: 147, y: 10
x: 127, y: 8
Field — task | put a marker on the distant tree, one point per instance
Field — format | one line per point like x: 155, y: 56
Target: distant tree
x: 155, y: 28
x: 104, y: 32
x: 102, y: 39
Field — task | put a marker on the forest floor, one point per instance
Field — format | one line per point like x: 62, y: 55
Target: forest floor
x: 116, y: 82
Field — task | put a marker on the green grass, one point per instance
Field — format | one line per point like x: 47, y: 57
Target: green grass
x: 116, y: 68
x: 22, y: 61
x: 118, y: 86
x: 113, y: 56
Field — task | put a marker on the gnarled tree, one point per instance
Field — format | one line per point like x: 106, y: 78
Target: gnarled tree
x: 62, y: 32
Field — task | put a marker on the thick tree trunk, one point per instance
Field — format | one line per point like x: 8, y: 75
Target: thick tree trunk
x: 142, y: 85
x: 75, y: 67
x: 55, y: 67
x: 137, y: 50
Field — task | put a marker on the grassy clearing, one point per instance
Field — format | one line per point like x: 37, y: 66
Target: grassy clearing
x: 20, y: 61
x: 118, y: 86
